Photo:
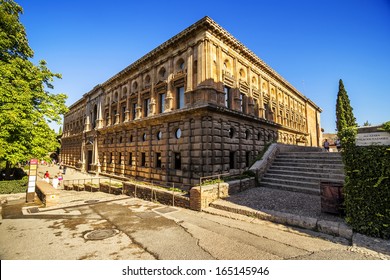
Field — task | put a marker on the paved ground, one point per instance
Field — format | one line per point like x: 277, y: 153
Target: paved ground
x: 102, y: 226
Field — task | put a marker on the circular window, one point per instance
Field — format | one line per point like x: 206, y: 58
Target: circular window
x: 231, y: 132
x: 144, y: 137
x: 178, y: 133
x: 159, y: 135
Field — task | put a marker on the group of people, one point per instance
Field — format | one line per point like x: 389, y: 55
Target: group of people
x: 337, y: 144
x: 55, y: 181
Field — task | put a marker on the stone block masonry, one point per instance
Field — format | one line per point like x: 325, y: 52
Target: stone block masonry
x: 151, y: 193
x: 198, y: 105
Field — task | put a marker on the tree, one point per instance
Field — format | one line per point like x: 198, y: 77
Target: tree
x: 26, y: 105
x: 367, y: 123
x: 344, y: 111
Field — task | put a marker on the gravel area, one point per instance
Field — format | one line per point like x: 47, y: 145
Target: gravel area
x: 264, y: 199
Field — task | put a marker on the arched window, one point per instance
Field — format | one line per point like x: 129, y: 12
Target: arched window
x: 242, y: 73
x: 135, y: 86
x: 147, y: 80
x: 162, y: 73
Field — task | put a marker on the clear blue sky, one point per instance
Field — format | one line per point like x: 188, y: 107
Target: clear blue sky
x: 312, y: 44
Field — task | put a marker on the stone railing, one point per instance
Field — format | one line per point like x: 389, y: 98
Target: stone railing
x: 261, y: 166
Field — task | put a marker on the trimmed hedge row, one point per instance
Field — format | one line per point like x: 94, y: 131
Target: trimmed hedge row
x: 367, y: 187
x: 14, y: 186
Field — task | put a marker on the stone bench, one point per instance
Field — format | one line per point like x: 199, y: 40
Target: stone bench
x: 47, y: 194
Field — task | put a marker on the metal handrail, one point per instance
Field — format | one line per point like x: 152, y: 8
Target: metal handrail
x: 212, y: 176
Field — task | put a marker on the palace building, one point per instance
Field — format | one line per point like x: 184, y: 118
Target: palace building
x: 197, y: 105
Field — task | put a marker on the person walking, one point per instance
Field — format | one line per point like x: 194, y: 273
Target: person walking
x: 338, y: 145
x: 326, y: 145
x: 55, y: 182
x: 46, y: 177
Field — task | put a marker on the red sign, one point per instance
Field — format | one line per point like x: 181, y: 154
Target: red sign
x: 34, y: 161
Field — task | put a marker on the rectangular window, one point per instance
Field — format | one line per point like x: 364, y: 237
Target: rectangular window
x: 146, y: 107
x: 130, y: 159
x: 247, y: 158
x: 162, y: 103
x: 107, y: 118
x: 113, y: 117
x: 180, y: 97
x: 123, y: 113
x: 243, y: 102
x: 177, y: 161
x: 119, y: 158
x: 227, y: 97
x: 110, y: 158
x: 232, y: 160
x: 158, y: 160
x: 133, y: 111
x: 143, y: 159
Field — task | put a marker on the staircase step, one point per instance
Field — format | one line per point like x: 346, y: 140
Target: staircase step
x: 291, y: 188
x: 311, y: 160
x: 297, y: 169
x: 309, y: 165
x: 303, y: 176
x: 310, y: 155
x: 302, y: 169
x: 298, y: 183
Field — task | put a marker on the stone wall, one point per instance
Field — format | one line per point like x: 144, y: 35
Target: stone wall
x: 202, y: 196
x: 150, y: 193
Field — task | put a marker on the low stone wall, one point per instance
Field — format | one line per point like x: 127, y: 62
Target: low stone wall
x: 162, y: 196
x: 47, y: 194
x: 202, y: 196
x: 241, y: 185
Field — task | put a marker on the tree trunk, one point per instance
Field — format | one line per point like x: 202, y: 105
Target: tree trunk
x: 8, y: 171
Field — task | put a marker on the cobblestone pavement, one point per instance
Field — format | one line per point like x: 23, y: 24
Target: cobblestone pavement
x: 283, y: 201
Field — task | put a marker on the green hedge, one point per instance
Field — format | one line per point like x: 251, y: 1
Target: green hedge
x: 14, y: 186
x: 367, y: 187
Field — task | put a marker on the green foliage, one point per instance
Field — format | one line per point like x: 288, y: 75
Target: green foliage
x: 14, y: 186
x: 367, y: 186
x: 25, y: 104
x: 386, y: 126
x: 366, y: 123
x: 249, y: 173
x: 344, y: 111
x: 263, y: 151
x: 13, y: 40
x: 211, y: 182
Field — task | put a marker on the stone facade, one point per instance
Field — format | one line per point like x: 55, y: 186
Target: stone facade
x: 199, y: 104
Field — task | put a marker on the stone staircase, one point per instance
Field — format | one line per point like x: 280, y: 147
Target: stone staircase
x: 302, y: 171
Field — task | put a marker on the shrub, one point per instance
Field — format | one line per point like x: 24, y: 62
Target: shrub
x: 14, y: 186
x: 367, y: 187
